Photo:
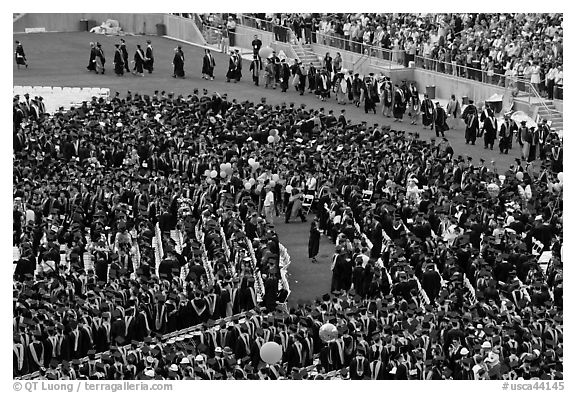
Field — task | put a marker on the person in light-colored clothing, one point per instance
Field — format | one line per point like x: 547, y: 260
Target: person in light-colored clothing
x: 269, y: 204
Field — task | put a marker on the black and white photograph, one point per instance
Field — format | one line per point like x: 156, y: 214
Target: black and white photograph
x: 288, y: 196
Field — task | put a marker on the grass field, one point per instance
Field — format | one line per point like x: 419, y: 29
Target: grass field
x: 60, y: 59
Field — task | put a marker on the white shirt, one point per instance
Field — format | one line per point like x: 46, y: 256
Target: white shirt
x: 311, y: 184
x: 269, y: 200
x: 559, y: 80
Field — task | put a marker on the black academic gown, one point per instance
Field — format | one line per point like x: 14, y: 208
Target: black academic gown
x: 313, y: 242
x: 139, y: 61
x: 472, y: 127
x: 208, y: 65
x: 178, y: 63
x: 427, y: 109
x: 124, y: 52
x: 118, y: 63
x: 92, y: 60
x: 149, y: 62
x: 399, y: 106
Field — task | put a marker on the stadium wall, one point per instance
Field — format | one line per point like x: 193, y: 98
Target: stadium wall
x: 130, y: 23
x: 447, y: 85
x: 183, y: 29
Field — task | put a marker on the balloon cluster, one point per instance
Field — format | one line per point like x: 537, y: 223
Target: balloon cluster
x: 226, y: 170
x: 273, y: 137
x: 253, y: 163
x: 557, y: 187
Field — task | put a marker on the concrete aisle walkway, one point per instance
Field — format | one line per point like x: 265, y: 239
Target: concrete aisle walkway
x: 307, y: 280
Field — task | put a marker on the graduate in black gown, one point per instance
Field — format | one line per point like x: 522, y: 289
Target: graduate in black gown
x: 20, y: 55
x: 470, y: 116
x: 100, y: 59
x: 118, y: 61
x: 124, y: 54
x: 149, y: 62
x: 506, y: 134
x: 92, y: 61
x: 232, y: 64
x: 399, y: 106
x: 440, y: 120
x: 490, y: 129
x: 255, y: 68
x: 427, y: 109
x: 238, y: 66
x: 178, y: 63
x: 370, y: 95
x: 314, y: 241
x: 387, y: 93
x: 208, y: 65
x: 139, y: 60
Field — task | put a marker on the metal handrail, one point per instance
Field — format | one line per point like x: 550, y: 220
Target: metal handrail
x: 266, y: 25
x: 534, y: 93
x: 360, y: 61
x: 304, y: 50
x: 390, y: 56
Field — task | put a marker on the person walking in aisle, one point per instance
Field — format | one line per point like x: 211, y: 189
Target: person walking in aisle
x: 92, y: 60
x: 118, y: 61
x: 269, y: 205
x: 506, y: 133
x: 100, y: 59
x: 314, y: 241
x: 255, y: 68
x: 440, y: 120
x: 178, y: 63
x: 454, y: 112
x: 208, y: 65
x: 20, y: 55
x: 470, y: 117
x: 149, y: 63
x: 124, y: 54
x: 139, y: 60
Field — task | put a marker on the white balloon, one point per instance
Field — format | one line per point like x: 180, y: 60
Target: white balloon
x: 252, y: 181
x: 251, y: 161
x: 213, y: 174
x: 289, y: 188
x: 561, y: 177
x: 275, y: 177
x: 272, y: 183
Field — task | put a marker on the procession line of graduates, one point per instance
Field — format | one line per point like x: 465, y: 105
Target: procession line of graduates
x: 142, y: 60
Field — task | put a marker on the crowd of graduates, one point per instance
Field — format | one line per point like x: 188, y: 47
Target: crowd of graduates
x: 141, y: 250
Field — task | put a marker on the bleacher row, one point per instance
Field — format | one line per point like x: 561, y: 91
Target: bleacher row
x: 56, y: 96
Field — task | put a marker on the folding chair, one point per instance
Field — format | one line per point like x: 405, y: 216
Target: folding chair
x: 307, y: 203
x: 367, y: 194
